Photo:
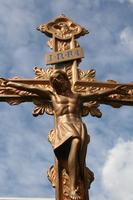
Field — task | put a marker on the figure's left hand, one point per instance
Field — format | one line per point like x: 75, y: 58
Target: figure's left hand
x: 121, y: 89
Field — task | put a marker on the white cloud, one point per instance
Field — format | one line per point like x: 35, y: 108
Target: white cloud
x: 122, y: 1
x: 22, y: 48
x: 126, y: 37
x: 118, y: 171
x: 19, y: 38
x: 130, y: 1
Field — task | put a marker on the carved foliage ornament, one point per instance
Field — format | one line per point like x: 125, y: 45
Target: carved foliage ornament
x: 52, y: 176
x: 61, y: 45
x: 91, y: 108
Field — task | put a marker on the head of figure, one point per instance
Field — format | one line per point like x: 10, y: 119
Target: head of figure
x: 59, y: 81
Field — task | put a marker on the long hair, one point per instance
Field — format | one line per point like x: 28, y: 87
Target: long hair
x: 56, y: 73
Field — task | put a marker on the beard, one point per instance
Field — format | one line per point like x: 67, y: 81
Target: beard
x: 60, y: 85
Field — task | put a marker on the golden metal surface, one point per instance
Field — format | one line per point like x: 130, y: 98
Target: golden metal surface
x: 62, y: 28
x: 68, y: 93
x: 62, y: 56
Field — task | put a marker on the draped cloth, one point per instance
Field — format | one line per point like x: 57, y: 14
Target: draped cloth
x: 69, y: 126
x: 66, y: 128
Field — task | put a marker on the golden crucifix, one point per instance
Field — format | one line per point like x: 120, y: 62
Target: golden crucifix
x: 68, y: 93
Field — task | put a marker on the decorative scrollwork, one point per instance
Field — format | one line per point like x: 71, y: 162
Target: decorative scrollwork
x: 92, y: 109
x: 52, y: 175
x: 88, y: 75
x: 14, y: 101
x: 61, y: 45
x: 42, y: 107
x: 41, y: 73
x: 63, y: 28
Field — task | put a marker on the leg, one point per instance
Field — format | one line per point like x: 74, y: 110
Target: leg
x: 72, y: 167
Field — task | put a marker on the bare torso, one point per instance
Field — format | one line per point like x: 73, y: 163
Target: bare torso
x: 66, y: 105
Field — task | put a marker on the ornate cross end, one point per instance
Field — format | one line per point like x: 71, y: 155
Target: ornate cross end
x: 68, y: 93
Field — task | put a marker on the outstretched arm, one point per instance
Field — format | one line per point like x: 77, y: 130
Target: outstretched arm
x: 25, y: 87
x: 101, y: 94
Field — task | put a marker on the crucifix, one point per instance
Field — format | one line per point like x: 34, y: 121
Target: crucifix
x: 68, y: 93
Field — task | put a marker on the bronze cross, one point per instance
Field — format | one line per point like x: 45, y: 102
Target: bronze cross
x: 68, y: 93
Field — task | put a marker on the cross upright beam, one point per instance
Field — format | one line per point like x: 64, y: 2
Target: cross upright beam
x: 68, y: 93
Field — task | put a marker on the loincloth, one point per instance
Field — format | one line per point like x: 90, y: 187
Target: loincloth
x: 66, y: 129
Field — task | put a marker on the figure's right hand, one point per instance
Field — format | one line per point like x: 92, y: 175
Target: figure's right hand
x: 3, y: 82
x: 121, y: 89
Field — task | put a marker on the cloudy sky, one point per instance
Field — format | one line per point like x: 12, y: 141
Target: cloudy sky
x: 25, y: 153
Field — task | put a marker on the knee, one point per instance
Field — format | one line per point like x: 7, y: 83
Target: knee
x: 76, y: 141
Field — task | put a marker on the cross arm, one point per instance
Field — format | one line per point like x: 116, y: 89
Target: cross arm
x: 101, y: 94
x: 23, y: 89
x: 117, y: 102
x: 34, y: 89
x: 15, y: 96
x: 98, y: 84
x: 110, y: 93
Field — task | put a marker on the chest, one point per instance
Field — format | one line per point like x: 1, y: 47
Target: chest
x: 60, y: 99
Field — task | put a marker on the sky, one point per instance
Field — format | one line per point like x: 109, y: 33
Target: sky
x: 25, y: 153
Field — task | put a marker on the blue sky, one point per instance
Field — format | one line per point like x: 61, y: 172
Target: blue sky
x: 25, y: 153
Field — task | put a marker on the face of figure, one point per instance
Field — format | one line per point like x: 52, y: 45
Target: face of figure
x: 60, y: 81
